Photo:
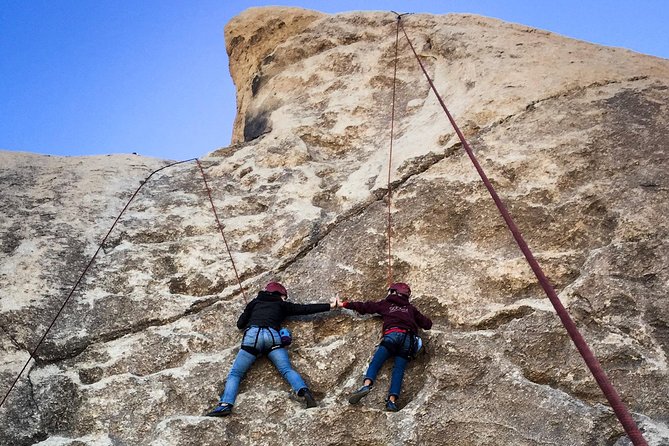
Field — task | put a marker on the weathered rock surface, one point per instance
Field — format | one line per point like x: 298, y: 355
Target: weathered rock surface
x: 573, y: 135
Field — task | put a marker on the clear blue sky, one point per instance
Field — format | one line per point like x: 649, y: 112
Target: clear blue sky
x: 84, y: 77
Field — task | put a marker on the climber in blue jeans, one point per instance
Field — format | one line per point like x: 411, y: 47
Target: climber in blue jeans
x: 401, y: 321
x: 261, y: 322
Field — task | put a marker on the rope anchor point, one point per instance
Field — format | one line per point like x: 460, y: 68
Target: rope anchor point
x: 400, y: 15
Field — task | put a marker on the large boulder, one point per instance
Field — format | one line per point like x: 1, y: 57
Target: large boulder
x: 574, y: 138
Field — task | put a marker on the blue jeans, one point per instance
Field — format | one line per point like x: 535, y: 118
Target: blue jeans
x: 262, y: 339
x: 400, y: 347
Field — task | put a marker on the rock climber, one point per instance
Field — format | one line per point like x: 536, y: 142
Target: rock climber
x: 401, y: 321
x: 261, y: 321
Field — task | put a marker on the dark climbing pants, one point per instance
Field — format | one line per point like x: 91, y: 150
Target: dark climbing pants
x: 400, y: 343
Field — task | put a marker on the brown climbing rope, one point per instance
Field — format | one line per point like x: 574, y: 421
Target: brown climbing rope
x: 390, y: 157
x: 100, y: 246
x: 220, y: 228
x: 621, y: 411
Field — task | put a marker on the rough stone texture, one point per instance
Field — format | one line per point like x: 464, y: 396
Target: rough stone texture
x: 250, y: 39
x: 573, y: 135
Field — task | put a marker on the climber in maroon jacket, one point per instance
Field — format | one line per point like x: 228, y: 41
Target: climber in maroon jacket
x: 401, y: 322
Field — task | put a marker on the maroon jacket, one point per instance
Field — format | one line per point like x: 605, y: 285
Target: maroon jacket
x: 396, y: 312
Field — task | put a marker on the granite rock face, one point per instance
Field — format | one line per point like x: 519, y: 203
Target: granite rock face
x: 574, y: 137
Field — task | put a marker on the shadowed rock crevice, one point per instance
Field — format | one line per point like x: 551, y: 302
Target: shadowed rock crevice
x: 27, y: 426
x: 412, y: 168
x: 12, y: 339
x: 568, y: 93
x: 502, y: 317
x: 256, y: 125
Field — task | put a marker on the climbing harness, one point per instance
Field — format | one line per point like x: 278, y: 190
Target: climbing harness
x: 621, y: 411
x: 397, y: 348
x: 101, y: 246
x: 277, y: 341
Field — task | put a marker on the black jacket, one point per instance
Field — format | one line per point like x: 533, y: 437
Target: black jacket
x: 269, y: 310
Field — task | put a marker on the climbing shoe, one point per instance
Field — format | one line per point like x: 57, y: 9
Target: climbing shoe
x: 359, y: 394
x: 391, y: 406
x: 222, y: 410
x: 308, y: 398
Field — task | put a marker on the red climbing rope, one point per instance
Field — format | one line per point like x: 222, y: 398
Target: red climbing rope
x: 591, y: 361
x: 46, y: 332
x: 220, y: 228
x: 390, y: 156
